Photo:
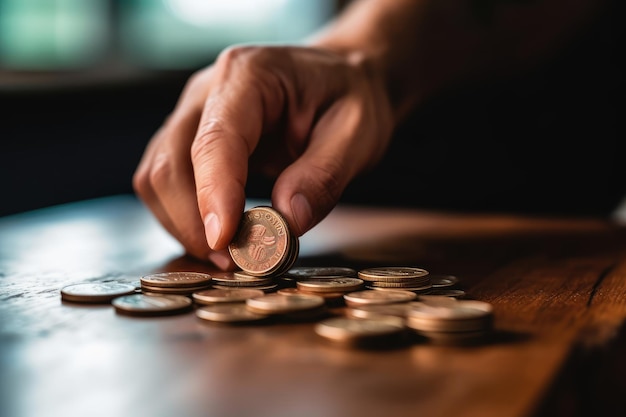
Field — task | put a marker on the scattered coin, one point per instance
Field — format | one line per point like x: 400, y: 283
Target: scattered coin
x: 393, y: 274
x: 148, y: 305
x: 229, y: 313
x: 304, y: 272
x: 233, y: 295
x: 95, y: 293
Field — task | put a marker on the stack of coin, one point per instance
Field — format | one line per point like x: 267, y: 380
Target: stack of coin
x: 178, y: 283
x: 239, y: 279
x: 361, y: 332
x: 394, y: 277
x: 373, y: 297
x: 299, y: 306
x: 301, y: 273
x: 264, y: 245
x: 447, y: 320
x: 332, y: 289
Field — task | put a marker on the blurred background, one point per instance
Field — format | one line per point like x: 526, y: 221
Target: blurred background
x: 85, y: 83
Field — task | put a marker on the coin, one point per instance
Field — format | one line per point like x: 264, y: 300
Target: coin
x: 241, y: 280
x: 321, y: 271
x: 442, y: 281
x: 176, y: 279
x: 367, y: 311
x: 149, y: 305
x: 229, y: 313
x: 378, y: 297
x: 263, y: 244
x: 450, y: 317
x: 343, y: 329
x: 93, y: 292
x: 171, y: 290
x: 331, y: 285
x: 393, y: 273
x: 226, y: 296
x: 280, y: 304
x: 447, y: 292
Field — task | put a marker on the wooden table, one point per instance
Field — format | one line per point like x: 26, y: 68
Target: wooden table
x: 558, y: 287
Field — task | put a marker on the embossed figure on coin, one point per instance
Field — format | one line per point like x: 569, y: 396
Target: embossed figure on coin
x: 258, y: 242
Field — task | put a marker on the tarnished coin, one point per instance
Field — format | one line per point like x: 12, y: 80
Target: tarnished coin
x: 393, y: 273
x: 331, y: 285
x: 228, y: 313
x: 233, y: 295
x: 343, y: 329
x: 281, y: 304
x: 263, y: 244
x: 176, y: 279
x: 149, y: 305
x: 443, y: 281
x: 370, y: 297
x: 93, y: 292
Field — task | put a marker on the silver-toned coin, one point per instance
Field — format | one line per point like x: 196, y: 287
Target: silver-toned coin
x: 342, y: 329
x: 148, y: 305
x: 443, y: 281
x: 226, y: 296
x: 228, y: 313
x: 331, y: 285
x: 93, y: 292
x: 176, y: 279
x: 280, y: 304
x: 370, y: 297
x: 321, y: 271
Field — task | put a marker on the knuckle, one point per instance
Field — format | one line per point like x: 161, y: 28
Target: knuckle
x: 141, y: 181
x: 160, y: 172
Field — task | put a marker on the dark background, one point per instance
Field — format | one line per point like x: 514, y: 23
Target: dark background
x: 548, y: 141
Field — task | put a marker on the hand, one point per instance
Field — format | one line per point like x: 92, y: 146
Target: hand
x: 310, y: 117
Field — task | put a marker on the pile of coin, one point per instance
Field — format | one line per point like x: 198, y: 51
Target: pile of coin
x: 239, y: 279
x: 447, y: 320
x: 263, y: 244
x: 405, y: 278
x: 177, y: 283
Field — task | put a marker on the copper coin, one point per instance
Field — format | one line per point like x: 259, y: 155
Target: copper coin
x: 345, y: 328
x: 393, y: 273
x: 262, y: 241
x: 93, y: 292
x: 148, y: 305
x: 280, y: 304
x: 176, y: 279
x: 229, y: 313
x: 331, y: 285
x: 226, y: 296
x: 370, y: 297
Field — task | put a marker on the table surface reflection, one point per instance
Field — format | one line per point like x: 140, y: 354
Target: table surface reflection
x: 558, y: 287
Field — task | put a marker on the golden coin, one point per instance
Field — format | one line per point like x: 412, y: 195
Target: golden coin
x: 94, y: 292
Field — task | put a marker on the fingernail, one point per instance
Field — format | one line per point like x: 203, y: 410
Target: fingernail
x: 222, y: 260
x: 302, y: 212
x: 212, y: 228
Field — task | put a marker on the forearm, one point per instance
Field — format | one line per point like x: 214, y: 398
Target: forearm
x: 423, y: 46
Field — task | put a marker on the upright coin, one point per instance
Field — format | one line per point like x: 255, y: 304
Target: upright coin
x: 263, y: 242
x: 93, y: 292
x: 148, y: 305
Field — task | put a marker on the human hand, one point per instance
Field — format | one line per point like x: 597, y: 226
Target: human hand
x: 311, y: 118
